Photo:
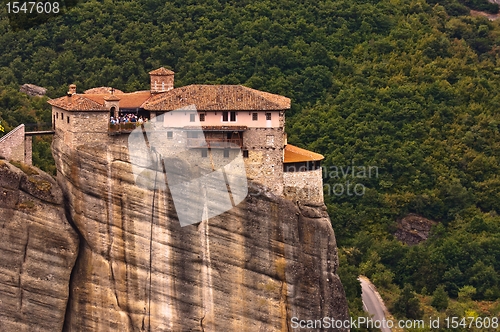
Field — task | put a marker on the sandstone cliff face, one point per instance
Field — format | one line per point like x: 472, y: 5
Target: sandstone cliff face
x: 38, y: 249
x: 252, y: 268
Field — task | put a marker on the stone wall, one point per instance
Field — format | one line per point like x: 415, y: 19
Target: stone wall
x: 12, y: 146
x: 265, y: 157
x: 81, y: 127
x: 306, y: 187
x: 28, y: 150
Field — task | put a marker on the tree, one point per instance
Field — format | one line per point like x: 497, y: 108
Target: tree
x: 440, y: 298
x: 407, y: 304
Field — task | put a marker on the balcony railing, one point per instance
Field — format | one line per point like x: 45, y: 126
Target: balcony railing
x: 214, y: 143
x: 122, y: 128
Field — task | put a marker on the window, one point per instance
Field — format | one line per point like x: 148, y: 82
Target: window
x: 191, y: 117
x: 204, y: 153
x: 226, y: 153
x: 228, y: 116
x: 57, y: 115
x: 170, y: 134
x: 245, y: 153
x: 192, y: 134
x: 255, y: 116
x: 162, y: 86
x: 268, y: 116
x: 62, y: 116
x: 202, y: 117
x: 67, y: 119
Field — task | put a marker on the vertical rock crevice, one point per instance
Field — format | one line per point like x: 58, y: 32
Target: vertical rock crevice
x: 38, y: 249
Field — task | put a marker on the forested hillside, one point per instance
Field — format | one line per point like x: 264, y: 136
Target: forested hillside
x: 407, y: 86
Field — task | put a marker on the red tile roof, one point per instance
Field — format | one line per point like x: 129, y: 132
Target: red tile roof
x: 103, y: 90
x: 161, y: 72
x: 294, y: 154
x: 76, y: 103
x: 127, y: 100
x: 95, y: 102
x: 203, y: 97
x: 217, y: 98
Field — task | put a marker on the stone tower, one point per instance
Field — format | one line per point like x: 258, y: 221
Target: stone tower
x: 162, y: 80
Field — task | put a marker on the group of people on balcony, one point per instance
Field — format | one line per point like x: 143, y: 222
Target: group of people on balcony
x: 128, y: 118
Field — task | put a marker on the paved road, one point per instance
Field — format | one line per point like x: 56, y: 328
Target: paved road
x: 371, y: 302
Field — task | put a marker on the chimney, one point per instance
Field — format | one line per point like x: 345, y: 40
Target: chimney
x: 162, y: 80
x: 71, y: 92
x: 72, y: 89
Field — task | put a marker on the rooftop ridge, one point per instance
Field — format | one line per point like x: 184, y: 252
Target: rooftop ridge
x: 161, y: 72
x: 217, y: 98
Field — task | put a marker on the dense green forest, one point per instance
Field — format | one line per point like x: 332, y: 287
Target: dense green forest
x: 407, y: 86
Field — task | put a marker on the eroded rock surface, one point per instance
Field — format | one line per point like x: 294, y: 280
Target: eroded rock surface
x: 252, y: 268
x: 38, y: 249
x: 413, y: 229
x: 33, y: 90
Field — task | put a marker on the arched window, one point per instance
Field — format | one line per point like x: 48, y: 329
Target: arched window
x: 112, y: 111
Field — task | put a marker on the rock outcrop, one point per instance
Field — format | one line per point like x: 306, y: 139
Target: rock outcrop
x: 38, y: 249
x: 252, y: 268
x: 33, y: 90
x: 413, y: 229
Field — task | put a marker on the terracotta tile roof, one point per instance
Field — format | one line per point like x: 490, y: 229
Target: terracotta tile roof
x: 294, y: 154
x: 204, y: 97
x: 111, y: 98
x: 217, y: 98
x: 127, y: 100
x: 102, y: 90
x: 161, y: 72
x: 76, y: 103
x: 95, y: 102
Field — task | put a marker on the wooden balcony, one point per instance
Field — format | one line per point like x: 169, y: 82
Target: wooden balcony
x: 214, y: 143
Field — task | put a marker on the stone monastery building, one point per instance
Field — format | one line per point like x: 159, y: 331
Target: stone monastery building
x: 234, y: 120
